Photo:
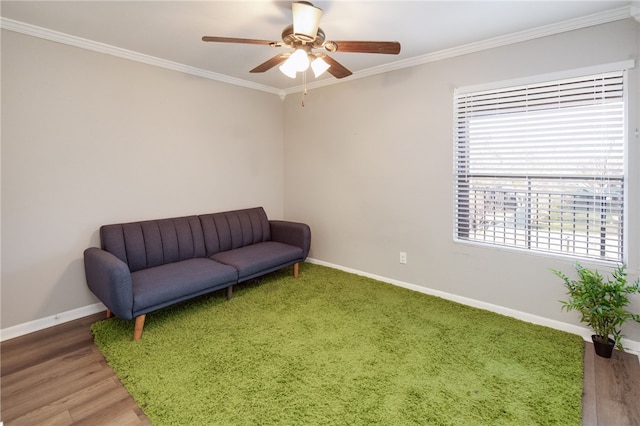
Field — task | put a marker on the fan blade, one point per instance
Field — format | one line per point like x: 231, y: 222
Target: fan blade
x: 336, y: 69
x: 386, y: 47
x: 239, y: 40
x: 270, y: 63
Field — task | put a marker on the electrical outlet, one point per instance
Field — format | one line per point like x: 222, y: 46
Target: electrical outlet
x: 403, y: 257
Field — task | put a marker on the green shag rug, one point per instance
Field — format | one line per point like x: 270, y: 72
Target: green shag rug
x: 336, y: 348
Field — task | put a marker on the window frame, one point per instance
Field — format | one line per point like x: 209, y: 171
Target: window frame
x: 622, y: 66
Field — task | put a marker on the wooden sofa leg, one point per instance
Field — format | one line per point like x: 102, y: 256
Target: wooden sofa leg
x: 229, y: 292
x: 295, y: 270
x: 137, y: 331
x: 109, y: 313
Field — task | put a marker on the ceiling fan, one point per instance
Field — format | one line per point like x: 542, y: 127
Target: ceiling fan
x: 305, y: 37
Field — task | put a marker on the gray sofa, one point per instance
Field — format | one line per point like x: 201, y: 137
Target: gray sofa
x: 145, y: 266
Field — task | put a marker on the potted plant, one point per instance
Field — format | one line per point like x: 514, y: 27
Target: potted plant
x: 602, y: 304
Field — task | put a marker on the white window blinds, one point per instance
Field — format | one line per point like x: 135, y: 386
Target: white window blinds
x: 541, y: 167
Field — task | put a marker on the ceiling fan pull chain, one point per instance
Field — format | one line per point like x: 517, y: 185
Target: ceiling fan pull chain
x: 304, y: 86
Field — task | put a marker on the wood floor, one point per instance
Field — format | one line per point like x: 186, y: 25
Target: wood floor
x: 58, y: 377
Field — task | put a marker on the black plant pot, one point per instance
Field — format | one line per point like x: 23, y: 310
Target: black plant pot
x: 603, y: 349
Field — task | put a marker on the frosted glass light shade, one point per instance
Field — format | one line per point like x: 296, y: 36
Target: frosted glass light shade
x: 287, y: 69
x: 299, y: 60
x: 319, y: 66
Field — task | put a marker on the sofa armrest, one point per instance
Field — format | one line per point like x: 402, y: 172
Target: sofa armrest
x: 293, y: 233
x: 109, y: 279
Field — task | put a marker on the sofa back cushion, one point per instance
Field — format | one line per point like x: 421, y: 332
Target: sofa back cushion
x: 151, y: 243
x: 234, y: 229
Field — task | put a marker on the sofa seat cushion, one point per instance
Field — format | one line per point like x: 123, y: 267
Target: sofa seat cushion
x: 257, y: 259
x: 166, y: 284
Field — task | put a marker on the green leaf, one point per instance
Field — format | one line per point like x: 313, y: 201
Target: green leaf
x: 601, y: 302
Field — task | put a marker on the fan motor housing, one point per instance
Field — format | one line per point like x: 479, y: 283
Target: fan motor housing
x: 290, y: 39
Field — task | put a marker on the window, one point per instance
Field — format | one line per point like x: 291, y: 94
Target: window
x: 541, y: 167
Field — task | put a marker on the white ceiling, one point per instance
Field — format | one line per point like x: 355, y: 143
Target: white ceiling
x: 172, y: 30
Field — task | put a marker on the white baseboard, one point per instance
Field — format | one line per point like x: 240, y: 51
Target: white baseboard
x: 42, y: 323
x: 631, y: 346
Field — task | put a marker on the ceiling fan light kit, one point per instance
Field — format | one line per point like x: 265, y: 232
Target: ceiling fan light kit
x: 303, y: 36
x: 300, y: 60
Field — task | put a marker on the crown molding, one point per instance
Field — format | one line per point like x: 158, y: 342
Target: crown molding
x: 635, y: 10
x: 58, y: 37
x: 544, y: 31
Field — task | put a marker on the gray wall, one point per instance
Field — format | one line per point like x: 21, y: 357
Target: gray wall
x: 90, y: 139
x: 369, y: 164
